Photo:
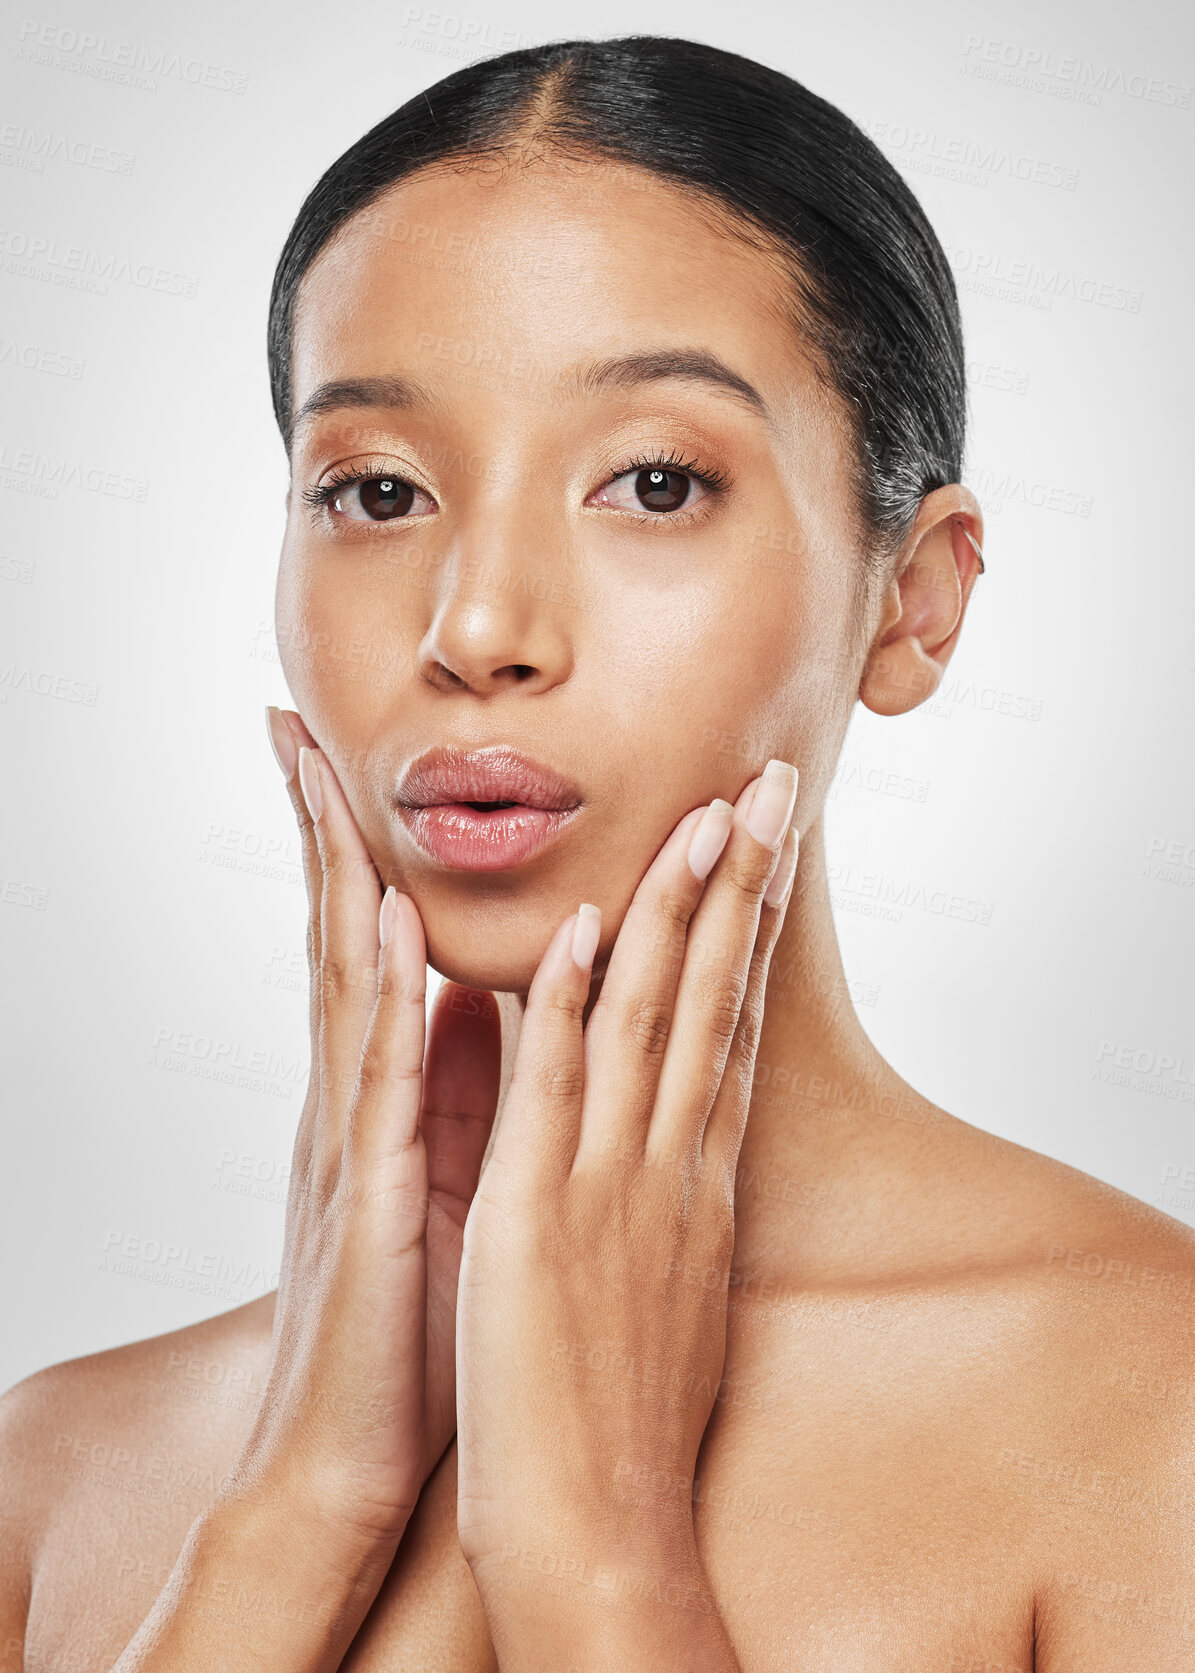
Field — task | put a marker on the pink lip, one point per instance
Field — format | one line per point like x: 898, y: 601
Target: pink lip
x: 433, y: 799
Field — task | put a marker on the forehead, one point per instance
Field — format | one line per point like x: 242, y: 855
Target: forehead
x: 547, y: 263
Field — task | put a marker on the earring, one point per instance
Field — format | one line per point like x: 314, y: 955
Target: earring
x: 975, y: 544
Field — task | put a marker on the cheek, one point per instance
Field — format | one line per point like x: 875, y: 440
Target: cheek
x: 757, y: 670
x: 306, y: 646
x: 339, y: 649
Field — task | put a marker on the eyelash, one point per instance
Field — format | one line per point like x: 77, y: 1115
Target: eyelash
x: 320, y: 496
x: 709, y: 477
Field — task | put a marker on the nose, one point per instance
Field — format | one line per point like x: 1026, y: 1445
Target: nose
x: 502, y: 608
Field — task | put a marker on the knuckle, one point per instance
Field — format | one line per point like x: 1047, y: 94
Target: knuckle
x: 342, y: 978
x: 565, y: 1007
x: 313, y: 871
x: 334, y: 863
x: 319, y: 1186
x: 718, y: 1176
x: 561, y: 1079
x: 749, y: 1029
x: 647, y: 1024
x: 721, y: 1225
x: 401, y: 986
x: 747, y: 873
x: 345, y: 871
x: 379, y: 1071
x: 675, y: 909
x: 337, y: 1082
x: 721, y: 993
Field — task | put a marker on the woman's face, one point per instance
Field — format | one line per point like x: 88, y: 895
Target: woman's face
x: 602, y: 518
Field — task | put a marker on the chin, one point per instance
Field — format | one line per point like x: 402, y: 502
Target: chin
x: 491, y: 957
x: 486, y: 956
x: 498, y: 974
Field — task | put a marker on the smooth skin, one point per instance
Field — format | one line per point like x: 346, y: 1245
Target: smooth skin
x: 762, y: 1360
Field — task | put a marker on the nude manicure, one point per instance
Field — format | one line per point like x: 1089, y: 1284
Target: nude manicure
x: 709, y: 839
x: 782, y: 878
x: 387, y: 913
x: 586, y: 934
x: 309, y: 783
x: 282, y: 742
x: 772, y: 807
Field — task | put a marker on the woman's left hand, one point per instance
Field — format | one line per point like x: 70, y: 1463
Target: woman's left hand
x: 582, y: 1354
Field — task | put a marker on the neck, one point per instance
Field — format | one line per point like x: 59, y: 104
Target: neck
x: 817, y: 1075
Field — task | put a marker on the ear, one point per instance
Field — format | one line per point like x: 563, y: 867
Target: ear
x: 925, y: 602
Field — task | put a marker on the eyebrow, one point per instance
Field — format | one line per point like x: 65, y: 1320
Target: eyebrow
x: 390, y: 391
x: 695, y: 365
x: 626, y: 371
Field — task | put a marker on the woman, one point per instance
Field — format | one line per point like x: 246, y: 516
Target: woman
x: 623, y: 390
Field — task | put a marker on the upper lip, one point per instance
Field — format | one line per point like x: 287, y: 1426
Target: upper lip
x: 497, y: 773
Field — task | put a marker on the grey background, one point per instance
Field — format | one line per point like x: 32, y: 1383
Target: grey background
x: 1014, y: 863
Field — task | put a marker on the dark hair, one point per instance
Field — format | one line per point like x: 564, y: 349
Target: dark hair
x: 874, y: 290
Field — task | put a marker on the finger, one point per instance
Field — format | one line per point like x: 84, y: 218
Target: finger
x: 381, y: 1187
x: 541, y: 1118
x: 728, y: 1119
x: 462, y: 1075
x: 461, y: 1080
x: 713, y: 980
x: 628, y: 1028
x: 383, y: 1119
x: 350, y: 899
x: 286, y: 733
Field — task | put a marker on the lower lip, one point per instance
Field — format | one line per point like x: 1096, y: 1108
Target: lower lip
x: 458, y: 835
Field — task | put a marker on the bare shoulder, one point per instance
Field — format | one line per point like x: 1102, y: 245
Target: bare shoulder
x: 1098, y: 1463
x: 1087, y: 1239
x: 1064, y: 1304
x: 196, y: 1379
x: 1090, y: 1257
x: 135, y: 1435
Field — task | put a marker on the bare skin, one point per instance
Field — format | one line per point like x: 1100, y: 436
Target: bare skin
x: 953, y: 1421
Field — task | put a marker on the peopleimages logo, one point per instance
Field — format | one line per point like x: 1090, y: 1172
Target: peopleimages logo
x: 32, y: 149
x: 972, y: 161
x: 79, y: 268
x: 28, y: 471
x: 989, y: 273
x: 1065, y: 75
x: 995, y: 490
x: 1159, y: 1074
x: 37, y: 359
x: 85, y: 53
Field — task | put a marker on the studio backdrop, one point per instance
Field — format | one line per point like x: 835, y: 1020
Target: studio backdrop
x: 1012, y: 865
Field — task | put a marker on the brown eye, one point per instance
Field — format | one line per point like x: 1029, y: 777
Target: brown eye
x: 661, y: 490
x: 383, y: 497
x: 658, y: 488
x: 373, y: 499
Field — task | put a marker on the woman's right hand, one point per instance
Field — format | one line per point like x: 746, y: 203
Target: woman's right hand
x: 359, y: 1403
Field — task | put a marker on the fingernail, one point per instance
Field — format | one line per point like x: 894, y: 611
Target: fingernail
x: 746, y: 796
x: 281, y: 742
x: 586, y: 934
x: 309, y: 782
x: 709, y: 839
x: 386, y: 915
x: 786, y: 869
x: 772, y: 809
